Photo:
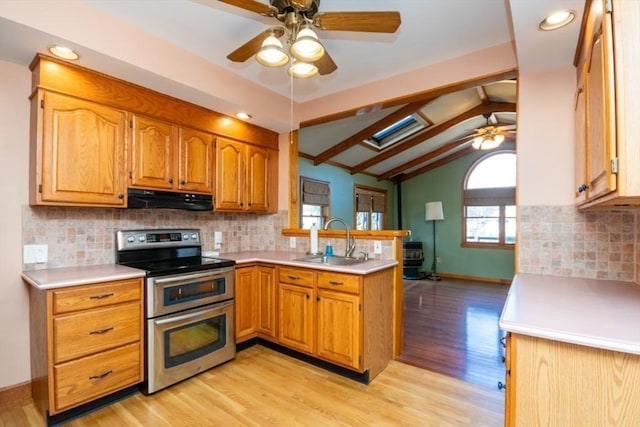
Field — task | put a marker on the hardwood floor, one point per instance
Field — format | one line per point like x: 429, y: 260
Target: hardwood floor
x: 451, y: 327
x: 262, y: 387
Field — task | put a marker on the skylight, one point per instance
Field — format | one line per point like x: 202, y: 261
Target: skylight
x: 398, y: 131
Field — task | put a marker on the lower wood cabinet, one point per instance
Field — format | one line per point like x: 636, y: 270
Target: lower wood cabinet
x: 86, y: 342
x: 255, y: 302
x: 342, y: 318
x: 554, y: 383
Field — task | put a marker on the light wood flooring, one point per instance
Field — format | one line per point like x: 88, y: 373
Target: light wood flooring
x: 262, y: 387
x: 451, y: 327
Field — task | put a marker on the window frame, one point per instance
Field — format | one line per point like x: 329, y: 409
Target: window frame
x: 369, y: 190
x: 497, y: 193
x: 325, y: 209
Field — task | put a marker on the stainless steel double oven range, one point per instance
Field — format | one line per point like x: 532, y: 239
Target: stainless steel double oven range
x: 189, y: 305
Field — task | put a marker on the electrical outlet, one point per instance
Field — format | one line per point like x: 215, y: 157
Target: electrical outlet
x: 377, y: 247
x: 42, y: 252
x: 292, y: 242
x: 217, y: 239
x: 33, y: 254
x: 438, y: 259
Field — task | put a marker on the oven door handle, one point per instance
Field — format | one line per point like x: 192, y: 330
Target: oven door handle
x: 185, y: 278
x: 173, y: 319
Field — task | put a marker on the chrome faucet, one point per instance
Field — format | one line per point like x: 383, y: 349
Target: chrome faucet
x: 350, y: 244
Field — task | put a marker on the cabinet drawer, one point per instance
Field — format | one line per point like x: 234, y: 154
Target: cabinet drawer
x: 94, y: 376
x: 83, y: 297
x: 339, y: 282
x: 88, y: 332
x: 296, y: 276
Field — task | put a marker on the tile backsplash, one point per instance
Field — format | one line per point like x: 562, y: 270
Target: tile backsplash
x: 561, y: 241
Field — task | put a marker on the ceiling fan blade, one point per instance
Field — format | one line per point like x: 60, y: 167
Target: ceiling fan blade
x: 371, y: 22
x: 252, y: 6
x: 325, y: 64
x: 250, y: 48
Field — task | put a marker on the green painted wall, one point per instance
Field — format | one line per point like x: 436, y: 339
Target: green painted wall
x: 341, y: 183
x: 445, y: 184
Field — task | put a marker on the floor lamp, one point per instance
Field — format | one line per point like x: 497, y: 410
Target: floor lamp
x: 433, y: 214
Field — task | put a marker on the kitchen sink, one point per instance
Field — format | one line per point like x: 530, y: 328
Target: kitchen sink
x: 333, y: 260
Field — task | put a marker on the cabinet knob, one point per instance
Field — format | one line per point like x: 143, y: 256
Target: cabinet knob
x: 170, y: 180
x: 583, y: 188
x: 501, y: 386
x: 183, y: 182
x: 308, y: 296
x: 120, y: 196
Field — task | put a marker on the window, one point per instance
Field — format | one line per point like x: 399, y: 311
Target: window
x: 489, y: 201
x: 396, y: 132
x: 315, y: 202
x: 370, y: 208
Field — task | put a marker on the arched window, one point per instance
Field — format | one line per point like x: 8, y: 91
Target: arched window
x: 489, y: 201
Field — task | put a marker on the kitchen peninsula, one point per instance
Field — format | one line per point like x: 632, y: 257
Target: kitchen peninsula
x: 572, y: 351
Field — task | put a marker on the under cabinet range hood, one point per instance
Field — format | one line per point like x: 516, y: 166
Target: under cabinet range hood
x: 152, y: 199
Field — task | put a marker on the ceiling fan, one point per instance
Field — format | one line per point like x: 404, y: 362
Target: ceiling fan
x: 491, y: 135
x: 297, y: 18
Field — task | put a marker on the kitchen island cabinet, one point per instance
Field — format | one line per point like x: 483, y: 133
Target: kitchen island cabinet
x: 573, y: 352
x: 86, y: 330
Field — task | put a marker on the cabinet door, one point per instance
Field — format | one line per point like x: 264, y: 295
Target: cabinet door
x: 83, y: 146
x: 267, y: 301
x: 229, y: 174
x: 600, y: 105
x: 296, y: 317
x: 257, y: 179
x: 339, y: 328
x: 581, y: 184
x: 246, y: 298
x: 195, y: 169
x: 152, y: 153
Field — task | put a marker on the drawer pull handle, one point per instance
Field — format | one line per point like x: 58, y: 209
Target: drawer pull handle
x: 101, y: 376
x: 332, y: 282
x: 101, y: 331
x: 293, y: 277
x: 101, y: 296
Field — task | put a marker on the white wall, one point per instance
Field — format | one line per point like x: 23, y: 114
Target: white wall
x: 15, y: 83
x: 546, y: 138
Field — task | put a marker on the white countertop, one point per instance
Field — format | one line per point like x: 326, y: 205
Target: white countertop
x: 289, y: 258
x: 596, y: 313
x: 83, y: 275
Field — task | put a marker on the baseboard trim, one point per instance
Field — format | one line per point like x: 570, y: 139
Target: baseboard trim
x: 475, y: 278
x: 15, y: 395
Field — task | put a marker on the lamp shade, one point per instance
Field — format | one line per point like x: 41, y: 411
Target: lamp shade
x: 433, y: 211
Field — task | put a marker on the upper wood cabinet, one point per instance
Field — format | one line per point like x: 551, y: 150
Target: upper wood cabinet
x: 77, y: 152
x: 607, y: 105
x: 244, y: 177
x: 167, y: 157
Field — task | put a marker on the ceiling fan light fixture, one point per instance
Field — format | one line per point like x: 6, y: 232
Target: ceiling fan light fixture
x: 302, y: 70
x: 307, y: 47
x: 487, y: 142
x: 271, y: 53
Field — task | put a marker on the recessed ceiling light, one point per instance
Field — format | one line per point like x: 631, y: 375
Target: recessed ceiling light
x: 63, y: 52
x: 243, y: 115
x: 557, y: 20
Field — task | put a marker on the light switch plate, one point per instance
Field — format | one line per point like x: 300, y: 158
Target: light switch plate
x: 292, y: 242
x: 217, y: 239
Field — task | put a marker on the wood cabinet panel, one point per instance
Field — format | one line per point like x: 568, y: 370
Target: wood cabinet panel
x: 296, y: 276
x: 257, y: 179
x: 256, y: 302
x: 78, y: 152
x: 339, y: 328
x: 267, y: 303
x: 229, y: 175
x: 196, y: 161
x: 152, y: 153
x: 296, y: 317
x: 246, y: 296
x: 91, y: 331
x: 83, y: 380
x: 77, y: 298
x: 339, y: 282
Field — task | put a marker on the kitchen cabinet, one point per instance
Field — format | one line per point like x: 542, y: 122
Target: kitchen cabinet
x: 168, y: 157
x: 255, y: 306
x: 341, y: 318
x: 607, y: 147
x: 86, y: 342
x: 555, y: 383
x: 243, y: 177
x: 73, y: 171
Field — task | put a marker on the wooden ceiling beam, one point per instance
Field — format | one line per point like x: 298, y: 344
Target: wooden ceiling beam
x: 422, y: 136
x: 358, y: 137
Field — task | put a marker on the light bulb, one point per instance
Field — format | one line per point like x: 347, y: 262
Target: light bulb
x: 307, y: 47
x: 271, y: 53
x: 302, y: 70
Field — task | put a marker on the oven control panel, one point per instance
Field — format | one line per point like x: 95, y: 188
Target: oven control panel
x: 139, y: 239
